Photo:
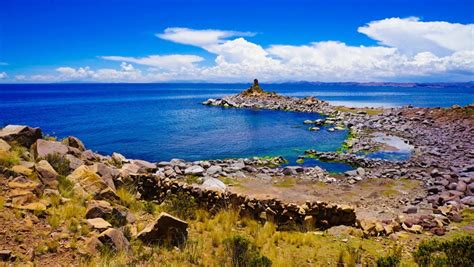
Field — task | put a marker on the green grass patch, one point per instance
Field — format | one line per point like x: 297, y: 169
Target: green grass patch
x: 284, y: 182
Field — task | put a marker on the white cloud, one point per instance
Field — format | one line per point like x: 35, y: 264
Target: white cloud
x: 165, y: 62
x: 410, y: 35
x: 199, y: 37
x: 3, y: 75
x: 408, y: 50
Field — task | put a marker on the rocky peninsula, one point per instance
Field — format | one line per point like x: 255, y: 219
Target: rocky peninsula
x: 62, y: 203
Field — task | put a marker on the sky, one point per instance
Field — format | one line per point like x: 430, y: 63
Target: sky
x: 51, y: 41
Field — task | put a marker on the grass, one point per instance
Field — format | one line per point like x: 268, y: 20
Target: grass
x: 12, y: 157
x: 128, y: 199
x: 284, y: 182
x: 230, y: 182
x: 2, y: 202
x: 193, y: 179
x: 212, y: 240
x: 369, y: 111
x: 69, y: 214
x: 348, y: 142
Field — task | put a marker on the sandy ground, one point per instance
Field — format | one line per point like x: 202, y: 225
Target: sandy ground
x: 375, y: 198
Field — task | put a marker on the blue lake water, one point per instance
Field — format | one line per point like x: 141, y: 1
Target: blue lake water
x: 163, y: 121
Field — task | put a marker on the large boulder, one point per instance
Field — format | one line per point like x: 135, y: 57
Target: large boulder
x: 194, y: 170
x: 74, y: 142
x: 88, y: 179
x: 23, y: 135
x: 117, y: 215
x: 46, y: 173
x: 4, y: 146
x: 165, y: 228
x: 214, y: 185
x: 42, y: 148
x: 214, y: 169
x: 115, y: 239
x: 74, y: 162
x: 107, y: 173
x: 145, y: 166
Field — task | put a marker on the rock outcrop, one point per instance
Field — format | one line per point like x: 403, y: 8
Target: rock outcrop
x: 22, y: 135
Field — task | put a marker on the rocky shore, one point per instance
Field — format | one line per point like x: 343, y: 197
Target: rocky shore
x: 39, y: 173
x: 443, y: 141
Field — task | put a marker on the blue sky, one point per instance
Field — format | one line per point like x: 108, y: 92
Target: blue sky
x: 149, y: 41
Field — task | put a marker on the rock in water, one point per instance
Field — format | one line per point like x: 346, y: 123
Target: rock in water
x: 23, y: 135
x: 165, y: 229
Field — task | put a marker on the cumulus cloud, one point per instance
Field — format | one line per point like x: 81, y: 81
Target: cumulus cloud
x: 164, y: 62
x: 410, y: 35
x: 199, y: 37
x: 408, y: 49
x: 3, y: 75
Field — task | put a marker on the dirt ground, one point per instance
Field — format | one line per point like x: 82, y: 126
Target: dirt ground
x: 375, y: 198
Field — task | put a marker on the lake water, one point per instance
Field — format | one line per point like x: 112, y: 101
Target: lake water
x: 163, y: 121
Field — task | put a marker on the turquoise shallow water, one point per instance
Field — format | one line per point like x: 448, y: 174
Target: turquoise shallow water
x: 163, y: 121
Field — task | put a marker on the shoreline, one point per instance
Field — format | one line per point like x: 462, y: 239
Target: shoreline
x: 292, y: 197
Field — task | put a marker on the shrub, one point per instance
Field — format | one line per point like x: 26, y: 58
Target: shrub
x: 59, y: 163
x: 128, y: 199
x: 65, y: 186
x: 456, y: 252
x: 391, y: 260
x: 242, y: 253
x: 181, y: 205
x: 12, y: 157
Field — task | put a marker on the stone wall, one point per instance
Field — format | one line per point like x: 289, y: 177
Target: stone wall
x: 285, y: 215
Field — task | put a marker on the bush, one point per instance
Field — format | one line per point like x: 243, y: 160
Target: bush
x: 59, y: 163
x: 65, y: 187
x: 392, y: 260
x: 181, y: 205
x: 12, y: 157
x: 456, y: 252
x: 242, y: 253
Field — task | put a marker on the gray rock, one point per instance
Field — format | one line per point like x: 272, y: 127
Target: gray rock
x: 119, y: 158
x: 74, y: 142
x: 47, y: 174
x: 214, y: 184
x: 194, y: 170
x: 115, y: 239
x: 74, y: 162
x: 469, y: 200
x: 411, y: 210
x: 214, y: 169
x: 461, y: 186
x: 165, y: 228
x: 42, y: 148
x: 145, y: 166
